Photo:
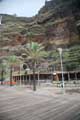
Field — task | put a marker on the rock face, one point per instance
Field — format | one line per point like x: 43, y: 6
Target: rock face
x: 61, y: 18
x: 56, y: 24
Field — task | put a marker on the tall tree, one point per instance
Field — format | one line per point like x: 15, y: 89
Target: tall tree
x: 2, y: 71
x: 34, y: 52
x: 11, y: 60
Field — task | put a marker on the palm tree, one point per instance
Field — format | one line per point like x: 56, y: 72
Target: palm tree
x: 34, y: 52
x: 11, y: 60
x: 2, y: 72
x: 30, y: 35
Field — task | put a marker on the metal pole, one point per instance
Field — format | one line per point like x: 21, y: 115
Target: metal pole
x: 62, y: 71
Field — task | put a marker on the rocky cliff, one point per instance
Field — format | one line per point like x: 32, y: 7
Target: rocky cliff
x: 56, y: 24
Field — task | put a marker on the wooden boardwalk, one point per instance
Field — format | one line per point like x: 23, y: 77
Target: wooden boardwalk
x: 23, y: 105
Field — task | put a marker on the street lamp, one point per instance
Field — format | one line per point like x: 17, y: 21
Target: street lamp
x: 60, y: 53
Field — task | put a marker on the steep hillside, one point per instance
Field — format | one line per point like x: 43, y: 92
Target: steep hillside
x: 56, y: 24
x: 61, y: 19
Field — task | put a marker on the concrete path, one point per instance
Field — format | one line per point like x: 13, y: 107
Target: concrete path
x: 24, y: 104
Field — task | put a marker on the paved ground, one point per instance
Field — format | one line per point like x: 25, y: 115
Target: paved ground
x: 23, y: 104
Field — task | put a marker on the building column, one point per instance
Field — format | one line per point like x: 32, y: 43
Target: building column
x: 29, y: 79
x: 68, y: 76
x: 75, y: 76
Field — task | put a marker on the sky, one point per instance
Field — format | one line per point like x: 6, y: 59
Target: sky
x: 26, y: 8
